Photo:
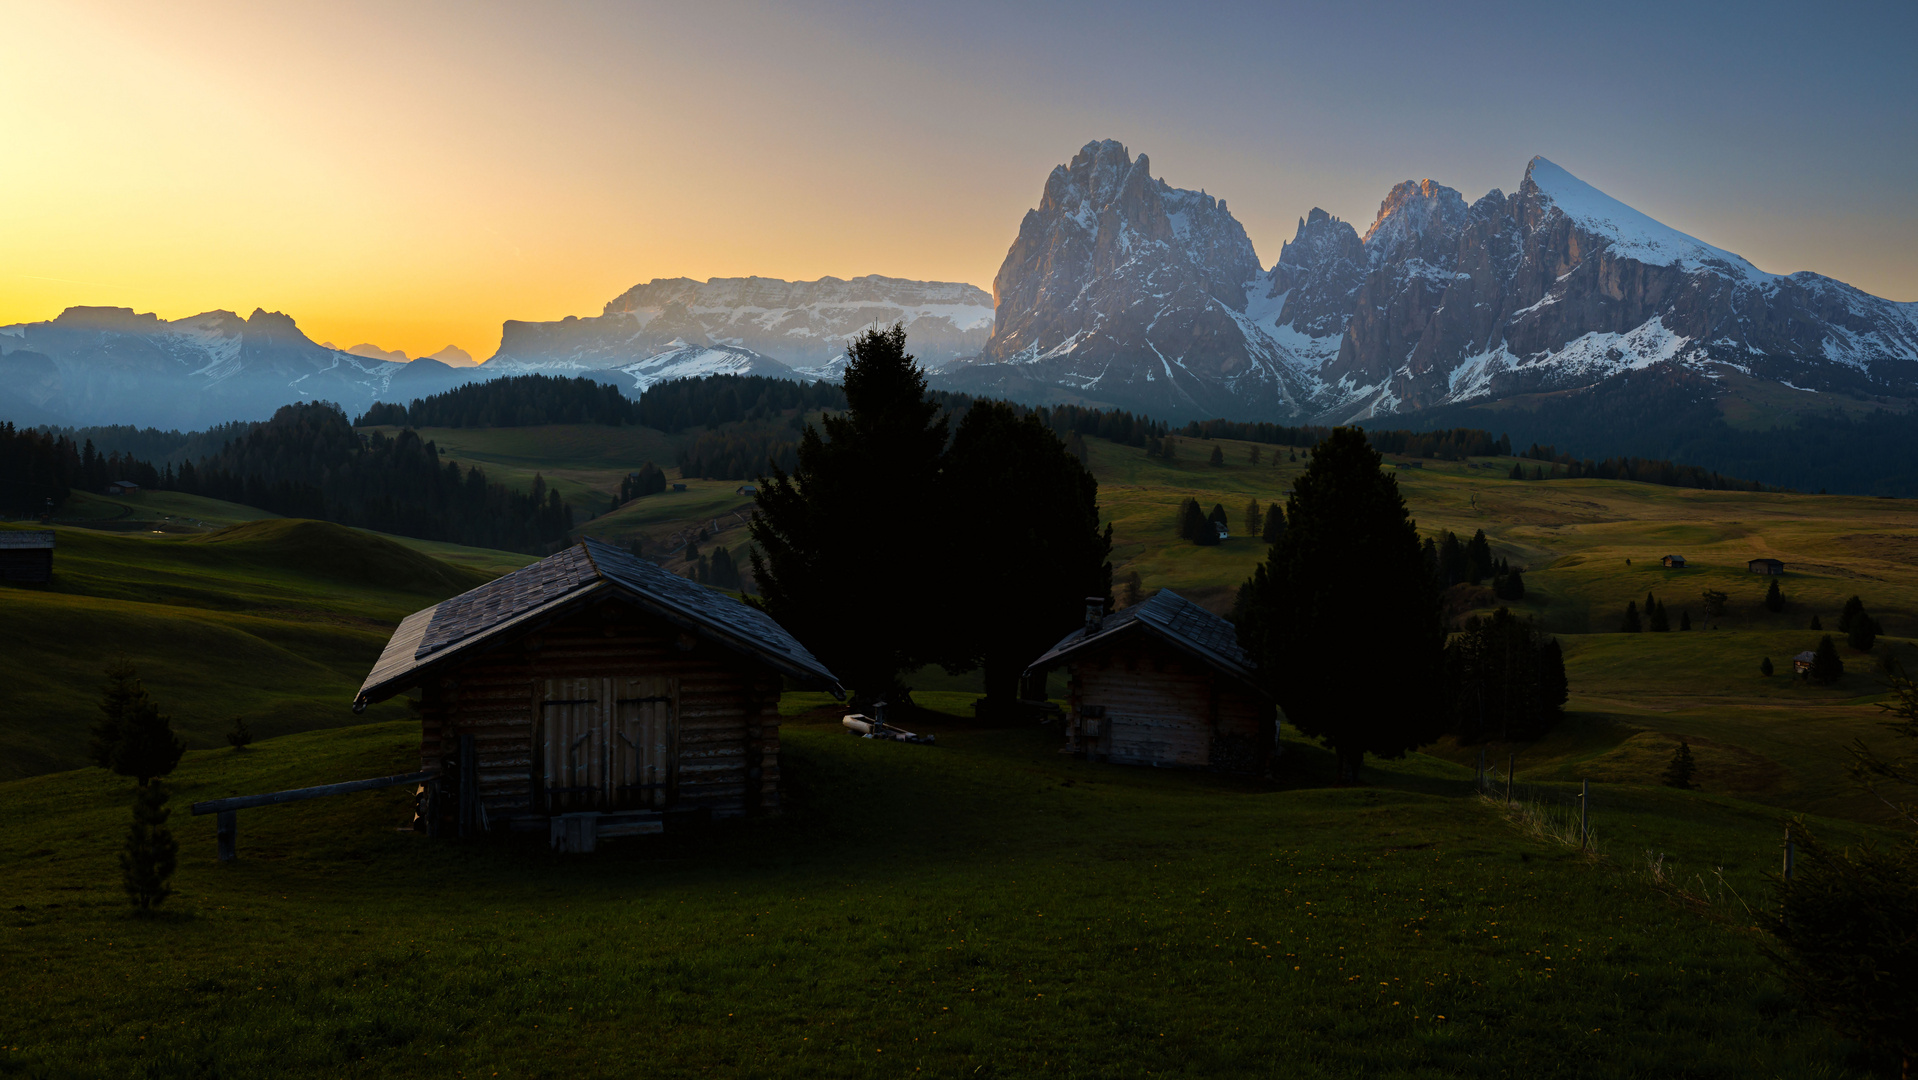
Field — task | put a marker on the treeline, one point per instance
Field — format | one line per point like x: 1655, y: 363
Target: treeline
x: 512, y: 401
x: 724, y: 399
x: 738, y: 453
x: 39, y: 470
x: 1639, y: 470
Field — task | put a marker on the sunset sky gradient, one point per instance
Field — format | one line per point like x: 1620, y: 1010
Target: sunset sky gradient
x: 413, y: 174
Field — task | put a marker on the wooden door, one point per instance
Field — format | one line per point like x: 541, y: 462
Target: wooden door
x: 607, y: 743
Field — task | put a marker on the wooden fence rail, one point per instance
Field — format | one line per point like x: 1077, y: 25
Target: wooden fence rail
x: 228, y: 826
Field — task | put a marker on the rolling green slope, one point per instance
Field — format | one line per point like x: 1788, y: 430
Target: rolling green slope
x: 1009, y: 913
x: 274, y: 621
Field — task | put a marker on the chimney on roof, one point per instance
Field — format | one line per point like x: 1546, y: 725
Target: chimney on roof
x: 1095, y: 614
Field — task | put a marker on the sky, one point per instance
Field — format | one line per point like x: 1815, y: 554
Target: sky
x: 413, y: 174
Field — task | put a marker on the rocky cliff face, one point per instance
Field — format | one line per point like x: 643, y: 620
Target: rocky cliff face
x: 1121, y: 287
x: 800, y: 324
x: 1122, y: 290
x: 95, y: 365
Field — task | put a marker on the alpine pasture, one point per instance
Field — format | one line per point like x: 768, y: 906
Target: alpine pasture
x: 985, y: 907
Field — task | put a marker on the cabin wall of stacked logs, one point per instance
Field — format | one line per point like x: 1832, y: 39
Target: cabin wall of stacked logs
x: 728, y: 711
x: 1162, y: 707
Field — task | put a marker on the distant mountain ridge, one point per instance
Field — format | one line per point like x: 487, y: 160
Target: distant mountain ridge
x: 1123, y: 290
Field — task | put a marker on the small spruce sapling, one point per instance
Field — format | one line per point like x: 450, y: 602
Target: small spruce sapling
x: 239, y: 737
x: 1764, y: 667
x: 1254, y: 457
x: 1631, y: 624
x: 1815, y: 624
x: 1218, y: 456
x: 151, y: 854
x: 1658, y: 623
x: 1678, y: 774
x: 1684, y: 620
x: 131, y: 737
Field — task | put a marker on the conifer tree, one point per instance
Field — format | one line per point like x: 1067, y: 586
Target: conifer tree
x: 1854, y: 608
x: 1217, y: 519
x: 150, y: 855
x: 723, y: 572
x: 1679, y: 772
x: 1684, y: 620
x: 835, y: 578
x: 1863, y: 633
x: 1518, y: 472
x: 1274, y: 524
x: 1765, y: 667
x: 1631, y: 624
x: 1254, y: 521
x: 1029, y: 524
x: 1254, y: 458
x: 1815, y: 624
x: 1826, y: 666
x: 1218, y: 456
x: 1299, y: 621
x: 239, y: 737
x: 1478, y: 558
x: 1774, y: 600
x: 1194, y: 525
x: 1715, y: 602
x: 1658, y: 623
x: 131, y: 737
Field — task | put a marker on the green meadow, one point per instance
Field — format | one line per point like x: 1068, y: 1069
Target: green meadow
x: 985, y: 907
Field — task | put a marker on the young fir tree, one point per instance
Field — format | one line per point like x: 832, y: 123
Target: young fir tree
x: 1679, y: 772
x: 1715, y: 602
x: 1518, y: 472
x: 1274, y: 524
x: 1815, y: 624
x: 1684, y: 620
x: 1028, y: 520
x: 1300, y: 622
x: 1774, y: 600
x: 1631, y: 624
x: 1657, y: 623
x: 150, y: 855
x: 131, y: 737
x: 1854, y: 609
x: 1863, y: 633
x: 239, y: 737
x: 1765, y: 668
x: 1254, y: 520
x: 1478, y: 558
x: 1218, y: 456
x: 833, y: 575
x: 1826, y: 666
x: 723, y: 572
x: 1253, y: 457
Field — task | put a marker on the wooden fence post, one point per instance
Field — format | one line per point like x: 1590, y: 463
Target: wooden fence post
x: 1509, y: 759
x: 227, y: 828
x: 1789, y: 852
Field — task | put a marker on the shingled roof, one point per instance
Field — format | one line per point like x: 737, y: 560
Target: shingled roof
x: 26, y: 539
x: 1171, y: 618
x: 433, y: 636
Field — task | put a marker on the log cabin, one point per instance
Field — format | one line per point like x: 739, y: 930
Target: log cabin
x: 26, y: 555
x: 593, y: 694
x: 1163, y: 682
x: 1765, y: 566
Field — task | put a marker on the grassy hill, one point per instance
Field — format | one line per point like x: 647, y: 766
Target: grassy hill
x: 1633, y: 696
x: 274, y: 621
x: 980, y: 908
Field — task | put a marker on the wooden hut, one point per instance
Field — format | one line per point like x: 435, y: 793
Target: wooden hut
x: 1765, y: 566
x: 26, y: 555
x: 1163, y: 682
x: 1675, y: 562
x: 595, y: 687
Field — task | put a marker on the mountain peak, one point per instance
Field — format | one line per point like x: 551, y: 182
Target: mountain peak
x: 1628, y: 233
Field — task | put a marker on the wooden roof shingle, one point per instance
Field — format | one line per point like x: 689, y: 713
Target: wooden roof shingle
x: 26, y: 538
x: 432, y: 637
x: 1171, y: 618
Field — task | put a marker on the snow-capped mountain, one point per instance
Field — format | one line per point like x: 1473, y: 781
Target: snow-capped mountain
x: 799, y: 324
x: 106, y: 365
x: 684, y: 361
x: 1122, y: 289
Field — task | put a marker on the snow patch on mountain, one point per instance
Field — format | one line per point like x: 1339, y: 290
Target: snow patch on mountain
x: 1631, y: 234
x: 686, y: 361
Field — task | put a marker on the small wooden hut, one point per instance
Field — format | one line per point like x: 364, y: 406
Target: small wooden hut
x: 1163, y: 682
x: 1675, y: 562
x: 1765, y: 566
x: 597, y: 687
x: 26, y: 555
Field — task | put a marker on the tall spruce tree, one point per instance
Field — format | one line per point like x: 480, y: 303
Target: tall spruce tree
x: 1678, y: 773
x: 1028, y: 524
x: 1300, y: 622
x: 1631, y: 624
x: 1274, y: 524
x: 1507, y: 680
x: 1774, y: 600
x: 1254, y: 519
x: 836, y: 556
x: 1826, y: 666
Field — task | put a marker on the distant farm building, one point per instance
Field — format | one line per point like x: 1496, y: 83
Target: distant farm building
x: 1801, y: 664
x: 122, y: 487
x: 26, y: 556
x: 594, y: 694
x: 1675, y: 562
x: 746, y: 489
x: 1765, y: 566
x: 679, y: 487
x: 1224, y: 533
x: 1163, y: 682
